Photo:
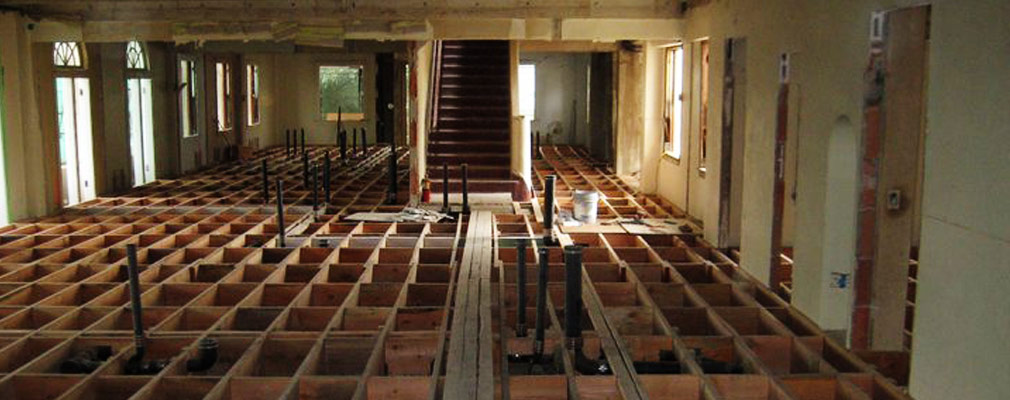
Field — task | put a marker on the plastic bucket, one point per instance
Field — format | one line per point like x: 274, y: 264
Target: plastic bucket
x: 585, y: 203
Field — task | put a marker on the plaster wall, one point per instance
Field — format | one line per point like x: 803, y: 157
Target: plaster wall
x: 266, y: 133
x: 27, y: 191
x: 961, y: 308
x: 561, y: 88
x: 297, y: 78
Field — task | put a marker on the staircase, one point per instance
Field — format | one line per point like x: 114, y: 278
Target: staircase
x: 471, y: 121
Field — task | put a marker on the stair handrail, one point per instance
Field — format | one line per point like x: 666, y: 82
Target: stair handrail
x: 434, y: 89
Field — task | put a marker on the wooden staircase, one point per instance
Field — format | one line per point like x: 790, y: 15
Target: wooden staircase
x: 471, y: 118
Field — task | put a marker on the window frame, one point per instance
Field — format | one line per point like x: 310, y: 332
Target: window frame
x: 342, y: 116
x: 144, y: 60
x: 223, y: 96
x: 188, y: 94
x: 704, y: 105
x: 70, y: 70
x: 674, y: 101
x: 252, y: 95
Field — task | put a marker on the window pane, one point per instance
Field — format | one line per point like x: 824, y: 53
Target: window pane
x: 223, y: 96
x: 135, y: 57
x: 252, y: 94
x: 528, y: 91
x: 340, y: 91
x: 184, y: 98
x: 678, y: 100
x: 67, y: 54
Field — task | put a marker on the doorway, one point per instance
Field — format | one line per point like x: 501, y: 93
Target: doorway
x: 139, y: 114
x: 566, y: 98
x: 73, y: 120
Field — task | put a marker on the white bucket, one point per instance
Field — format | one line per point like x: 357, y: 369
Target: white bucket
x: 585, y: 203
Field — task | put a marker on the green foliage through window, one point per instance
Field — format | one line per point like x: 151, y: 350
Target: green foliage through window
x: 340, y: 91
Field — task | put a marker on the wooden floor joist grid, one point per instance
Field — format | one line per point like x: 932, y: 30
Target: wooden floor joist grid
x: 350, y: 310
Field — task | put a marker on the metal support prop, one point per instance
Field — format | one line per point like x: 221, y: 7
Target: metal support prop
x: 364, y: 141
x: 135, y: 305
x: 287, y: 143
x: 326, y: 177
x: 314, y: 171
x: 536, y: 152
x: 354, y: 143
x: 342, y: 138
x: 303, y: 141
x: 305, y: 169
x: 280, y: 212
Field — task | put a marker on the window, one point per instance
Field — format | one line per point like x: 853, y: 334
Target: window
x: 252, y: 90
x: 340, y: 94
x: 139, y: 113
x: 187, y: 98
x: 703, y: 117
x: 674, y: 104
x: 528, y: 91
x: 224, y: 109
x: 73, y: 121
x: 67, y: 55
x: 136, y: 57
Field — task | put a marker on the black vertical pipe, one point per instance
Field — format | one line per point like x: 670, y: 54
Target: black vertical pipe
x: 445, y: 187
x: 521, y: 285
x: 364, y: 141
x: 538, y: 338
x: 466, y: 196
x: 303, y: 140
x: 305, y: 169
x: 549, y: 209
x: 391, y: 191
x: 536, y: 154
x: 280, y: 211
x: 533, y: 149
x: 326, y: 177
x: 287, y: 143
x: 132, y: 269
x: 354, y: 143
x: 266, y: 183
x: 314, y: 171
x: 342, y: 138
x: 573, y: 292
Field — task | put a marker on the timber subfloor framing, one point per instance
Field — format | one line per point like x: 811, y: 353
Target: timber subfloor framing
x: 354, y: 310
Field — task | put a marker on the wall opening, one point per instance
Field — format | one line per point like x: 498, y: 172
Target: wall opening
x: 139, y: 114
x: 673, y: 108
x: 73, y: 117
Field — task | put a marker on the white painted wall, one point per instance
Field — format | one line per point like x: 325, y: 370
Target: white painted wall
x: 297, y: 77
x: 560, y: 82
x: 963, y: 309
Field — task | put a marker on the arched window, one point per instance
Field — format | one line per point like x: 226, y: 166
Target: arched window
x: 139, y: 113
x: 68, y: 55
x: 136, y: 57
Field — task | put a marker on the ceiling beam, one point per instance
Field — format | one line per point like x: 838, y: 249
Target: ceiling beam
x: 305, y: 11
